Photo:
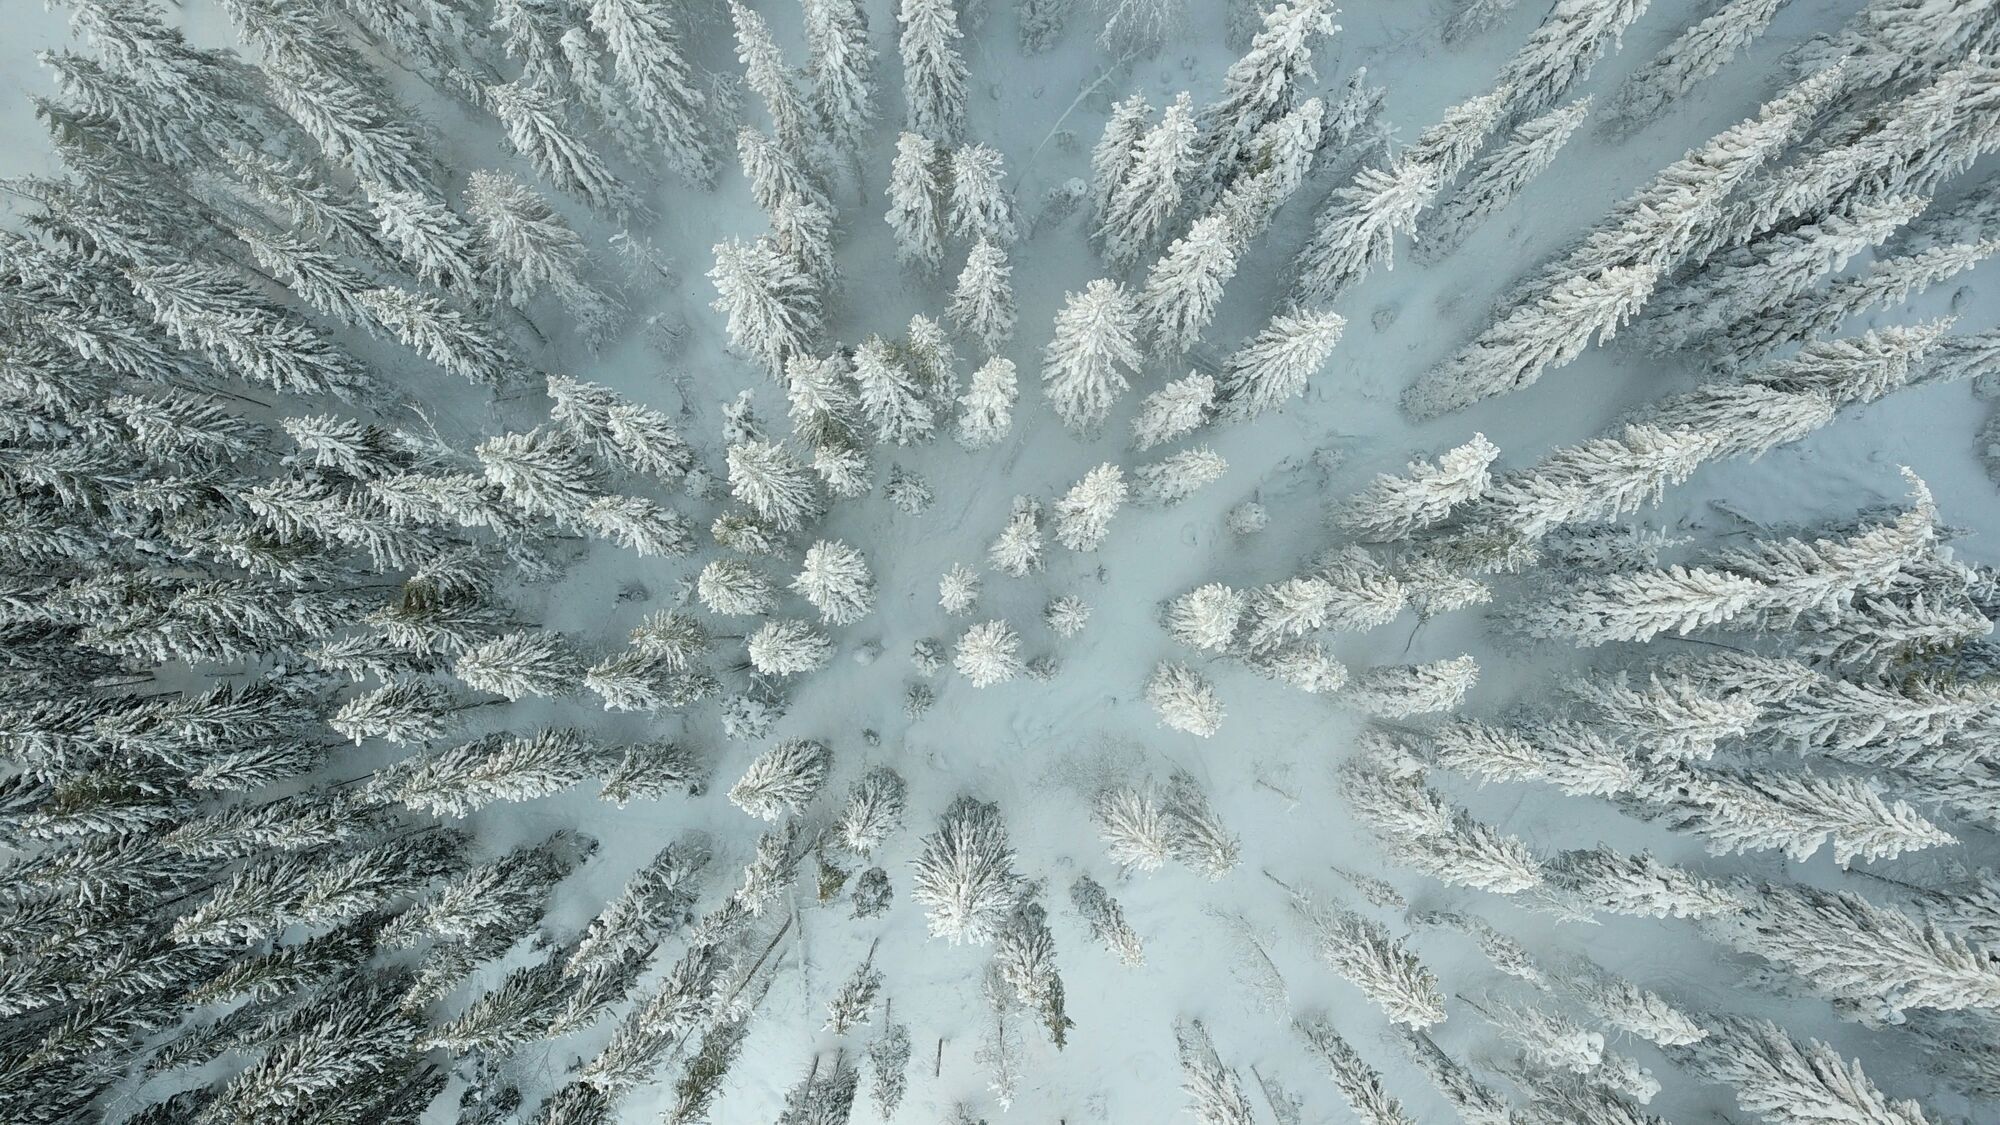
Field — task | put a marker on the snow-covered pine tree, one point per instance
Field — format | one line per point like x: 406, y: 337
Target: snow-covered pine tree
x: 1106, y: 920
x: 1356, y: 228
x: 1133, y: 827
x: 1671, y: 716
x: 1641, y: 606
x: 1424, y: 831
x: 986, y: 409
x: 1796, y: 813
x: 840, y: 65
x: 1895, y: 42
x: 1194, y: 834
x: 910, y: 493
x: 981, y: 206
x: 1093, y: 349
x: 1359, y: 1084
x: 1260, y: 87
x: 1183, y: 700
x: 775, y: 172
x: 648, y: 61
x: 1638, y: 884
x: 400, y: 711
x: 1083, y: 514
x: 765, y: 73
x: 1138, y: 27
x: 889, y: 1063
x: 1498, y: 178
x: 824, y: 410
x: 735, y: 588
x: 891, y: 397
x: 571, y: 62
x: 1572, y: 756
x: 1764, y: 273
x: 531, y: 249
x: 933, y: 70
x: 654, y: 900
x: 1504, y: 953
x: 208, y: 311
x: 543, y: 472
x: 1184, y: 286
x: 1276, y: 364
x: 933, y: 362
x: 1768, y: 584
x: 965, y: 875
x: 1611, y: 475
x: 520, y: 664
x: 1475, y: 1102
x: 1602, y: 282
x: 1351, y: 592
x: 772, y: 306
x: 1178, y: 476
x: 1178, y: 408
x: 1206, y: 617
x: 1024, y: 953
x: 782, y: 780
x: 873, y: 811
x: 1282, y: 152
x: 1630, y: 1008
x: 1017, y: 550
x: 788, y: 648
x: 427, y: 234
x: 1111, y: 159
x: 1066, y: 616
x: 988, y: 654
x: 462, y: 779
x: 1698, y: 52
x: 1905, y: 146
x: 1888, y: 280
x: 1367, y: 956
x: 317, y: 275
x: 982, y: 304
x: 441, y: 333
x: 917, y: 201
x: 958, y: 590
x: 1787, y: 1082
x: 1869, y: 958
x: 540, y: 131
x: 1548, y: 333
x: 1393, y: 508
x: 1545, y: 1039
x: 849, y: 1006
x: 1152, y: 185
x: 768, y: 477
x: 1563, y: 49
x: 835, y: 580
x: 1215, y: 1092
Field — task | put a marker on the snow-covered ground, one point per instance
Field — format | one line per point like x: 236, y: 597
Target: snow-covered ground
x: 1040, y: 749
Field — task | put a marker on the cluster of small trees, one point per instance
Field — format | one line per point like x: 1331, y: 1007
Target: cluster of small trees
x: 1281, y: 629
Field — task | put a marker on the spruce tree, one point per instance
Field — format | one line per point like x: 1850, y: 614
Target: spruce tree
x: 840, y: 65
x: 965, y: 874
x: 1095, y: 345
x: 1278, y: 362
x: 982, y: 305
x: 916, y: 201
x: 933, y: 70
